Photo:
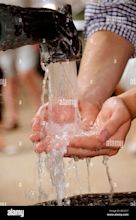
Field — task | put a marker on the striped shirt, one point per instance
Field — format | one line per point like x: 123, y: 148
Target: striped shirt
x: 110, y: 1
x: 111, y: 16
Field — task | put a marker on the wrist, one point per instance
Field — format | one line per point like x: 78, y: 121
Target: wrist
x: 94, y: 94
x: 129, y: 98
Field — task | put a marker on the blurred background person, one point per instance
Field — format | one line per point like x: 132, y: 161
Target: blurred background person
x: 2, y: 144
x: 20, y: 66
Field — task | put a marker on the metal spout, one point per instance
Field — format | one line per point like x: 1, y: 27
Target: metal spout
x: 53, y: 29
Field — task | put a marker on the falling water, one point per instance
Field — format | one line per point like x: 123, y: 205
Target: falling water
x: 41, y: 170
x: 62, y: 118
x: 62, y: 125
x: 88, y: 161
x: 77, y: 174
x: 105, y: 162
x: 40, y: 167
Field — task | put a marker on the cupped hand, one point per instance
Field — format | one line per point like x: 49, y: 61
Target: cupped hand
x: 60, y: 114
x: 112, y: 123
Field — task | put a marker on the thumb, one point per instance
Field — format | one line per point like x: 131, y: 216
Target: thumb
x: 111, y: 127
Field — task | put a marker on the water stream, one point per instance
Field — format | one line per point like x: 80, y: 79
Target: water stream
x: 88, y: 162
x: 62, y: 125
x: 105, y: 162
x: 40, y: 159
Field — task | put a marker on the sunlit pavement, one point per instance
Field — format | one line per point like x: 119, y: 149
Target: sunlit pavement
x: 19, y: 177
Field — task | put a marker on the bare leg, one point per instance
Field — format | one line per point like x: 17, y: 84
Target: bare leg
x: 11, y: 103
x: 1, y: 128
x: 2, y: 144
x: 33, y: 85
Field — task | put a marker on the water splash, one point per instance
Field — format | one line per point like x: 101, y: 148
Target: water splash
x: 41, y: 159
x: 62, y: 125
x: 41, y: 170
x: 54, y: 160
x: 62, y: 119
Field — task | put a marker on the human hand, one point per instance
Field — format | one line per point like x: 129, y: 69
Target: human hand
x: 113, y: 123
x: 60, y: 114
x: 41, y: 134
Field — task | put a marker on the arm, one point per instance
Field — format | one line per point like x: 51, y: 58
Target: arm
x: 110, y: 43
x: 105, y: 57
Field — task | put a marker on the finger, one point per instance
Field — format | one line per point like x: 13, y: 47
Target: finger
x: 86, y: 142
x: 118, y: 139
x: 82, y: 153
x: 39, y: 125
x: 43, y: 146
x: 40, y: 117
x: 37, y: 137
x: 111, y: 127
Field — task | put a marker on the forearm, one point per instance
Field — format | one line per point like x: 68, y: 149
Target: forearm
x: 129, y: 99
x: 104, y: 59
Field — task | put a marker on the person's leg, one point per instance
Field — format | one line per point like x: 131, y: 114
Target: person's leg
x: 26, y: 65
x: 2, y: 144
x: 11, y: 102
x: 33, y: 85
x: 11, y: 89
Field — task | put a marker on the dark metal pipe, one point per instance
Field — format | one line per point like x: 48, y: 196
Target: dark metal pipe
x: 53, y: 29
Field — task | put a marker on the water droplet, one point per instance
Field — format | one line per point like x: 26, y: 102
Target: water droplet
x: 91, y: 82
x: 47, y: 70
x: 19, y: 184
x: 92, y: 41
x: 20, y: 20
x: 20, y: 102
x: 67, y: 185
x: 20, y: 143
x: 115, y: 61
x: 43, y: 41
x: 91, y: 164
x: 67, y: 202
x: 115, y: 185
x: 32, y: 193
x: 70, y: 42
x: 20, y: 61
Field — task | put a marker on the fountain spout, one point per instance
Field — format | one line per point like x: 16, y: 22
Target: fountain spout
x: 53, y: 29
